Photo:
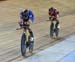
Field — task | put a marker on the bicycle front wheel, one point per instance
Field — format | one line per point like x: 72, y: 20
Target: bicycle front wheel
x: 23, y: 44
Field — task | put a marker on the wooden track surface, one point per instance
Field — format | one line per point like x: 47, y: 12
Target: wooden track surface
x: 9, y: 16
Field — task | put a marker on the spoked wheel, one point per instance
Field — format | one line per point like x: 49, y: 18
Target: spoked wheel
x: 57, y: 32
x: 23, y: 45
x: 31, y: 48
x: 57, y: 29
x: 31, y: 44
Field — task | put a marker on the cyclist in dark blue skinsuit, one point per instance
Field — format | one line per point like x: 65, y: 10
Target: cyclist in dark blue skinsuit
x: 27, y: 39
x: 26, y: 17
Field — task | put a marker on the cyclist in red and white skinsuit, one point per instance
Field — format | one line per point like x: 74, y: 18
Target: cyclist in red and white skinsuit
x: 53, y: 14
x: 53, y: 17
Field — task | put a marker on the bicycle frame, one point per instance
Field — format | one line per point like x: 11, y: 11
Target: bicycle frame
x: 26, y: 32
x: 54, y: 28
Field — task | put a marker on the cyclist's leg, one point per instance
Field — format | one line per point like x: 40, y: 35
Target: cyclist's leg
x: 30, y: 31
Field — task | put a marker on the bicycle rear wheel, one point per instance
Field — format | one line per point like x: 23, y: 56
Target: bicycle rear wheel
x: 31, y: 43
x: 57, y: 32
x: 57, y: 29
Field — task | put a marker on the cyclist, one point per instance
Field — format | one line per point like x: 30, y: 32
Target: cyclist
x: 53, y: 12
x: 53, y: 16
x: 26, y: 17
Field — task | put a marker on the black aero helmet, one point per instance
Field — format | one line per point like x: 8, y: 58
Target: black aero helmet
x: 51, y: 9
x: 25, y: 10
